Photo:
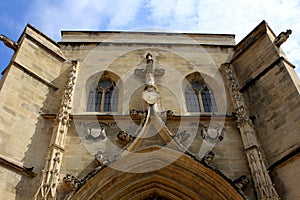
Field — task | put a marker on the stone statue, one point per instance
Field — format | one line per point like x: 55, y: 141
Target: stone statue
x: 9, y: 42
x: 282, y: 37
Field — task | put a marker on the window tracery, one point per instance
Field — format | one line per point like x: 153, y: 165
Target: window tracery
x: 103, y: 97
x: 200, y: 98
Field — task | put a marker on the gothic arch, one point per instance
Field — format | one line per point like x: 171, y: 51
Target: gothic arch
x: 199, y: 93
x: 95, y: 79
x: 184, y: 178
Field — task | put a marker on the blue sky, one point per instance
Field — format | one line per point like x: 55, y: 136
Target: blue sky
x: 209, y: 16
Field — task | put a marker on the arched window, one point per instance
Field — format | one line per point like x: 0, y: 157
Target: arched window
x: 200, y: 98
x: 103, y: 97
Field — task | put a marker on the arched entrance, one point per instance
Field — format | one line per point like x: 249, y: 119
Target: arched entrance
x: 185, y: 178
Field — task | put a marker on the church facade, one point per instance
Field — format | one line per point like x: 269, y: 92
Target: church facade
x: 149, y: 115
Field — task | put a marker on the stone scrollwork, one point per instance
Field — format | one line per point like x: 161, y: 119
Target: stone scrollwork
x: 212, y: 134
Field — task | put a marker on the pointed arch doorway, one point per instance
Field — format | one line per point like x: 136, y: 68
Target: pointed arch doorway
x: 185, y: 178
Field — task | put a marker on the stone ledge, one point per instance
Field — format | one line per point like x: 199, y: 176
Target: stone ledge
x: 16, y: 167
x: 32, y: 74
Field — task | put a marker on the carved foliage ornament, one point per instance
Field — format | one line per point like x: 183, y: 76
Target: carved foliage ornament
x: 124, y: 137
x: 71, y: 181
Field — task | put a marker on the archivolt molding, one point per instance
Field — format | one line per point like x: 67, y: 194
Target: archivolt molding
x: 185, y: 178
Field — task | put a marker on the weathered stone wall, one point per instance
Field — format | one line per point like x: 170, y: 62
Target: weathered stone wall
x: 273, y: 100
x: 30, y: 89
x: 119, y: 61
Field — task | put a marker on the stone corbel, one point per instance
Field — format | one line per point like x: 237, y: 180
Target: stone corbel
x: 124, y: 137
x: 71, y: 182
x: 208, y: 158
x: 241, y: 182
x: 101, y: 159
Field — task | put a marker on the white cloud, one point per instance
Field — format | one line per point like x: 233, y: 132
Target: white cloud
x: 214, y: 16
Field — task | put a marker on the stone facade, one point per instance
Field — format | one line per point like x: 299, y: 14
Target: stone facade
x: 56, y: 144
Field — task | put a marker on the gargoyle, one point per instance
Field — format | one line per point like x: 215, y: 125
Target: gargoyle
x: 282, y: 37
x: 9, y: 42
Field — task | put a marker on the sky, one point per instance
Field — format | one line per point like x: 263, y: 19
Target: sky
x: 237, y: 17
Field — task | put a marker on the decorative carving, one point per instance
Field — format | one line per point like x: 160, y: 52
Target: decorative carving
x: 208, y: 158
x: 96, y: 133
x: 71, y: 182
x: 149, y: 73
x: 50, y: 174
x: 212, y: 134
x: 182, y: 136
x: 124, y: 137
x: 150, y: 95
x: 262, y: 181
x: 101, y: 159
x: 9, y: 42
x: 282, y: 37
x: 143, y: 72
x: 241, y: 182
x: 170, y: 113
x: 242, y: 116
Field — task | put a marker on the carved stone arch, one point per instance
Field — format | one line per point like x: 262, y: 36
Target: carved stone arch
x: 184, y: 178
x: 214, y: 83
x: 93, y: 80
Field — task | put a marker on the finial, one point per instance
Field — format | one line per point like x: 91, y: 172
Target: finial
x: 149, y: 58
